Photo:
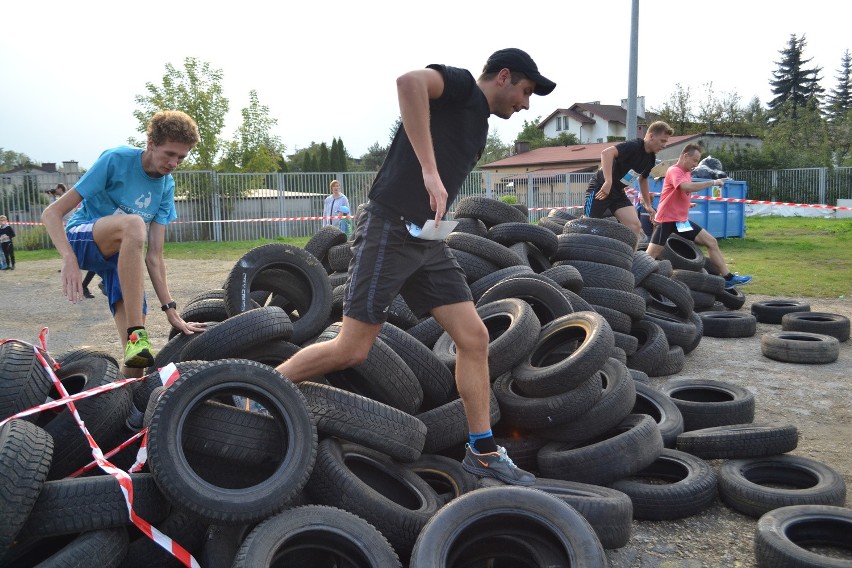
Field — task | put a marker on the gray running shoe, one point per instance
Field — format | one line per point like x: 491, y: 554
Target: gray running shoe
x: 497, y: 465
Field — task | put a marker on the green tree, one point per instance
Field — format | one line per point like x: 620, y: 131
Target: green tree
x: 254, y: 148
x: 800, y: 141
x: 372, y: 160
x: 838, y: 112
x: 532, y: 134
x: 677, y: 111
x: 10, y: 159
x: 495, y: 150
x: 324, y: 161
x: 793, y: 84
x: 197, y: 91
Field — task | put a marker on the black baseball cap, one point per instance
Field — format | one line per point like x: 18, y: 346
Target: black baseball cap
x: 516, y: 59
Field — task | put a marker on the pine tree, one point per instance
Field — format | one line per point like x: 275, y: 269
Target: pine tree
x: 792, y: 83
x: 839, y: 100
x: 324, y: 161
x: 343, y: 163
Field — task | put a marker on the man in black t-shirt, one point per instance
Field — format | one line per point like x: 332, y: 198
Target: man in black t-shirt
x: 445, y: 115
x: 620, y: 166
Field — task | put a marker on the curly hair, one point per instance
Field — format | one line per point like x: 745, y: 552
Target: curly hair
x: 172, y: 126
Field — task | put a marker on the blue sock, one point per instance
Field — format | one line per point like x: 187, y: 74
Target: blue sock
x: 486, y: 440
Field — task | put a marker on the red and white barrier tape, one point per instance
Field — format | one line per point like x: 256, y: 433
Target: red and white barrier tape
x: 320, y: 218
x: 168, y: 375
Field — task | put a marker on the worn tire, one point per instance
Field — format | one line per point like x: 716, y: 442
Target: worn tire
x: 705, y: 403
x: 800, y: 347
x: 823, y: 323
x: 788, y: 536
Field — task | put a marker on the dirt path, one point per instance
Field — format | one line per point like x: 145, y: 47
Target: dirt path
x: 817, y: 399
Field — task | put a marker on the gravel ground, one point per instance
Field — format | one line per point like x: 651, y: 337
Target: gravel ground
x: 815, y: 398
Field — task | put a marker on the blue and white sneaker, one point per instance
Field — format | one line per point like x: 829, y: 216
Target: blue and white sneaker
x: 736, y: 280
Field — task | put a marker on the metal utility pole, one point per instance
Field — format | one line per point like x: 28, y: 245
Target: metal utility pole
x: 631, y: 78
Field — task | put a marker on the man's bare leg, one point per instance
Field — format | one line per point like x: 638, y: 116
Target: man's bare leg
x: 628, y: 217
x: 125, y: 235
x: 349, y: 348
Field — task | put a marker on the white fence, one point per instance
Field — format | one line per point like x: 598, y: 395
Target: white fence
x: 226, y: 207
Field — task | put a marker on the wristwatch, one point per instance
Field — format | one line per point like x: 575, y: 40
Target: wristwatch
x: 170, y: 305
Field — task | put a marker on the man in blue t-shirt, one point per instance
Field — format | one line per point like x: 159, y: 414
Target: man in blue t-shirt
x: 445, y: 115
x: 124, y: 198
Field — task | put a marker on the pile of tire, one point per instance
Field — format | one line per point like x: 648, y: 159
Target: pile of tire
x: 246, y: 469
x: 805, y: 336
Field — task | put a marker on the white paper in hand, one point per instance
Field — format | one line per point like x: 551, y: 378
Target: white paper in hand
x: 432, y: 233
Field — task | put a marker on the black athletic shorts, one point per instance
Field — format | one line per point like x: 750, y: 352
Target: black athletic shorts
x: 664, y: 230
x: 387, y: 261
x: 614, y: 201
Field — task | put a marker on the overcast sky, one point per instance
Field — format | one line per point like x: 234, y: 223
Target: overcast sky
x: 70, y: 71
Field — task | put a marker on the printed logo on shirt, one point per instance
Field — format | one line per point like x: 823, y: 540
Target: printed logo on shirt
x: 143, y: 201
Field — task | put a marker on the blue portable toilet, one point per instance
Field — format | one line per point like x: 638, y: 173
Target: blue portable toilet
x: 722, y: 219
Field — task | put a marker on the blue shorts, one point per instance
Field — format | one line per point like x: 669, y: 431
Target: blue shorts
x: 89, y: 257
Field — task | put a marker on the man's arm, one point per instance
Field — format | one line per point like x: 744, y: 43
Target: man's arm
x: 414, y: 90
x: 693, y: 186
x: 646, y: 198
x: 608, y: 156
x: 52, y: 217
x: 157, y: 272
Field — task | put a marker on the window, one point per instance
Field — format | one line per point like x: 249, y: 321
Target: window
x: 558, y: 123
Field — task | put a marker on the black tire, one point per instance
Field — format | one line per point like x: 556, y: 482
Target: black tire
x: 617, y: 320
x: 453, y: 531
x: 108, y: 546
x: 531, y: 256
x: 25, y: 383
x: 426, y: 331
x: 594, y: 248
x: 696, y: 320
x: 104, y: 415
x: 608, y: 511
x: 600, y: 275
x: 653, y: 347
x: 339, y: 257
x: 446, y: 425
x: 321, y: 241
x: 489, y: 211
x: 560, y: 214
x: 485, y: 248
x: 210, y: 309
x: 603, y: 228
x: 508, y: 234
x: 643, y: 265
x: 271, y: 353
x: 520, y: 411
x: 552, y: 224
x: 732, y: 298
x: 628, y: 448
x: 367, y: 483
x: 302, y: 266
x: 364, y: 421
x: 683, y: 254
x: 793, y: 536
x: 435, y: 378
x: 671, y: 290
x: 238, y: 333
x: 566, y: 276
x: 176, y: 476
x: 445, y: 475
x: 567, y: 352
x: 512, y: 328
x: 78, y: 353
x: 315, y: 535
x: 70, y: 506
x: 679, y: 330
x: 25, y: 454
x: 772, y: 311
x: 800, y: 347
x: 474, y: 266
x: 662, y: 409
x: 383, y: 376
x: 472, y: 226
x: 616, y: 399
x: 675, y: 361
x: 758, y: 485
x: 823, y: 323
x: 739, y: 441
x: 543, y: 295
x: 479, y: 287
x: 728, y: 324
x: 689, y: 487
x: 700, y: 281
x: 628, y: 303
x: 705, y: 403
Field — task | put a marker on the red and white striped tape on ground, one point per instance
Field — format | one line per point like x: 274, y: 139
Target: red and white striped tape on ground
x: 168, y: 375
x: 320, y: 218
